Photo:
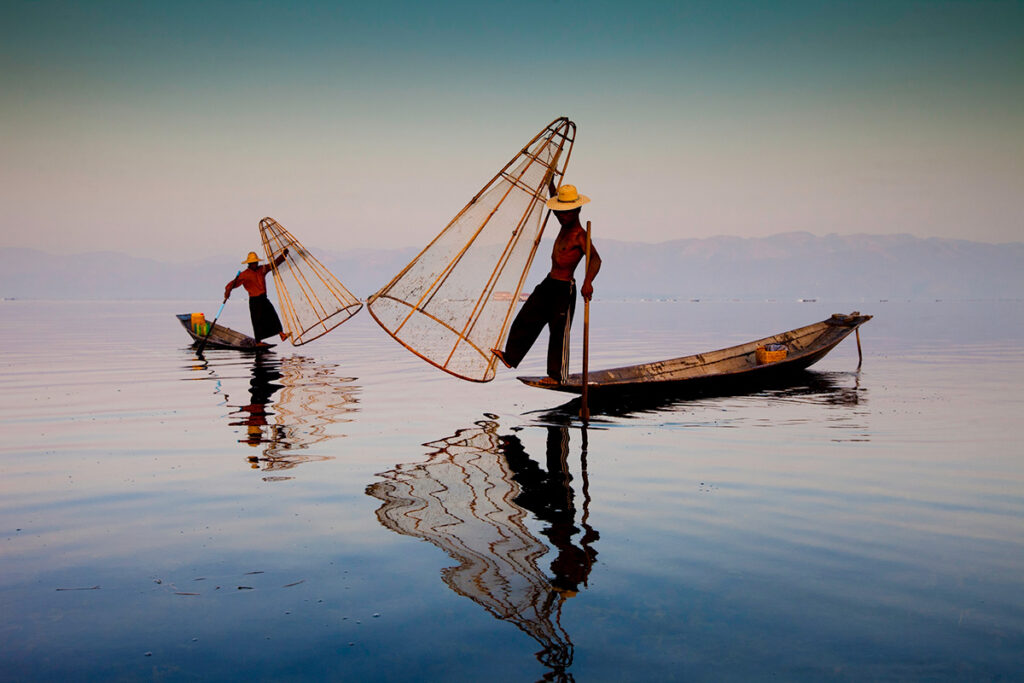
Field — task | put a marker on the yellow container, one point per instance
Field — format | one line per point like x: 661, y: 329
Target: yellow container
x: 770, y: 353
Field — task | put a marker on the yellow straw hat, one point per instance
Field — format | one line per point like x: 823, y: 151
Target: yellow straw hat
x: 251, y: 258
x: 568, y: 198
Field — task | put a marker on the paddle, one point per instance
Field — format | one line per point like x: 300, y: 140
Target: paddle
x: 202, y: 342
x: 584, y: 407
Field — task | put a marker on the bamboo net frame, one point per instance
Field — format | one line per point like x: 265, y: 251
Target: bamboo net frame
x: 313, y: 301
x: 453, y: 303
x: 462, y: 499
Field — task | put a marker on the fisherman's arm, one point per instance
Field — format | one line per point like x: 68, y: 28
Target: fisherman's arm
x: 587, y: 290
x: 236, y: 282
x: 280, y: 259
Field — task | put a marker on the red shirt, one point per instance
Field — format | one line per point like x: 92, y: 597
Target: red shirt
x: 253, y: 279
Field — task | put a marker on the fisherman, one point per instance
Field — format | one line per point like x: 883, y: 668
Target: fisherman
x: 254, y: 278
x: 553, y: 301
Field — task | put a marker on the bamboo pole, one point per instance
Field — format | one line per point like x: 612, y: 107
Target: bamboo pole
x: 589, y: 535
x: 202, y: 342
x: 584, y: 406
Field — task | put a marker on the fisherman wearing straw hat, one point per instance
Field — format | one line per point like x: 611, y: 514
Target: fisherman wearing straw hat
x: 553, y: 301
x: 254, y: 278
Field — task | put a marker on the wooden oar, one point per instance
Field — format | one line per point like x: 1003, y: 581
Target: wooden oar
x: 584, y: 408
x: 202, y: 342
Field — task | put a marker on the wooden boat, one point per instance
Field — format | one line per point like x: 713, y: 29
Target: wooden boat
x: 222, y: 337
x: 736, y: 365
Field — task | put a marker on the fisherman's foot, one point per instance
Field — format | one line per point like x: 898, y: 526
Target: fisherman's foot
x: 500, y: 355
x: 285, y: 336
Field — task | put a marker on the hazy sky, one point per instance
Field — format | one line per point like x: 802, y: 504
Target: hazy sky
x: 169, y: 129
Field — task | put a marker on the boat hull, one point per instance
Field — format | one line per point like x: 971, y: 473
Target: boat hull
x: 222, y: 337
x: 732, y: 366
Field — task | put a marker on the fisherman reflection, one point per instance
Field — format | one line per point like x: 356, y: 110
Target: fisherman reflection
x: 471, y: 498
x: 262, y: 387
x: 549, y: 496
x: 289, y: 424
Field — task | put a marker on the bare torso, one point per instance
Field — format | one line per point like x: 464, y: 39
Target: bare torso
x: 567, y: 252
x: 570, y: 248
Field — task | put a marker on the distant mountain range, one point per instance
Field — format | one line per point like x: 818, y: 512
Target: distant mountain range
x: 785, y: 266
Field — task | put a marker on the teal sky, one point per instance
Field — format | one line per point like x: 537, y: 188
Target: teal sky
x: 170, y: 129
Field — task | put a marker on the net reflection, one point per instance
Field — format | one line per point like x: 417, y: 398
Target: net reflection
x: 471, y: 498
x: 291, y: 404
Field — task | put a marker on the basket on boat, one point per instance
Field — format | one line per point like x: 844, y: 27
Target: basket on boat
x: 199, y: 324
x: 770, y: 353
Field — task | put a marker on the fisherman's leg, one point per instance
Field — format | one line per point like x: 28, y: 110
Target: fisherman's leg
x: 272, y: 322
x: 265, y: 322
x: 559, y: 325
x: 254, y: 317
x: 526, y: 327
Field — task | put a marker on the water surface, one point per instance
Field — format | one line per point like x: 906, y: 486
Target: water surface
x: 343, y: 510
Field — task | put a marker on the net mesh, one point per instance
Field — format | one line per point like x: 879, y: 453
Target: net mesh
x: 313, y: 301
x: 462, y: 500
x: 453, y: 303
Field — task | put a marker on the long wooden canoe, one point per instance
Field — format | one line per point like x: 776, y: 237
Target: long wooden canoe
x: 734, y: 365
x: 222, y: 337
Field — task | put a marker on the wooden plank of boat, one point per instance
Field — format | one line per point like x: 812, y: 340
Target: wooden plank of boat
x: 805, y: 346
x: 222, y: 337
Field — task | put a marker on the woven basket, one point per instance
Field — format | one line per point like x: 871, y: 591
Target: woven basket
x: 770, y: 353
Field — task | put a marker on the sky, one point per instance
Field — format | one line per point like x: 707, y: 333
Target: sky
x: 168, y: 130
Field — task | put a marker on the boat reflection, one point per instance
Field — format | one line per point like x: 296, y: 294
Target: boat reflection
x: 807, y: 386
x: 291, y: 404
x: 472, y: 498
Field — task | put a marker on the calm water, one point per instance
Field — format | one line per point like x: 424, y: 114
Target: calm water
x: 344, y: 511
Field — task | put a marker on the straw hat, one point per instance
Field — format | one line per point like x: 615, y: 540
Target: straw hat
x: 567, y: 198
x: 251, y: 258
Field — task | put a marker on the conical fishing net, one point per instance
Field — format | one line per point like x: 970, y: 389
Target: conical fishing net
x: 454, y: 302
x: 313, y: 301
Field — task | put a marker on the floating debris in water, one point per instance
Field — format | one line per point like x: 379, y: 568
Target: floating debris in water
x: 296, y: 583
x: 90, y: 588
x: 245, y: 588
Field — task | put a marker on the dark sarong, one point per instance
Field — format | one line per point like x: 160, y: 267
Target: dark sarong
x: 551, y: 303
x: 265, y: 322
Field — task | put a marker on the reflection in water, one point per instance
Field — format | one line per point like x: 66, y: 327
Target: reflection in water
x: 471, y: 498
x: 291, y: 403
x: 262, y: 387
x: 823, y: 388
